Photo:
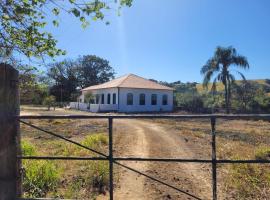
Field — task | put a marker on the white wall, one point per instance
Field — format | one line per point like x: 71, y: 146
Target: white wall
x: 103, y: 91
x: 79, y: 106
x: 98, y: 107
x: 123, y: 107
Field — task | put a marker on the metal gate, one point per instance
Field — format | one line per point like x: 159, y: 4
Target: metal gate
x: 115, y: 160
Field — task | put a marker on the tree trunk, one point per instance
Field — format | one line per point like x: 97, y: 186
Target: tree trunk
x: 226, y: 97
x: 229, y: 96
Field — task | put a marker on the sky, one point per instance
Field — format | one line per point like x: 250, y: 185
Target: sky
x: 170, y: 40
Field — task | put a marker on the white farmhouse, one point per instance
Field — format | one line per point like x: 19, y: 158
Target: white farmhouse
x: 129, y: 93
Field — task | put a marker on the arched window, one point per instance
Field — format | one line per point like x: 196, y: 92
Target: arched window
x: 165, y: 99
x: 102, y: 99
x: 97, y: 98
x: 142, y: 99
x: 114, y: 98
x: 129, y: 99
x: 109, y: 98
x: 154, y: 99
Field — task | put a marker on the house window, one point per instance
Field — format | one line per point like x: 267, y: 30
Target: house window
x: 114, y: 98
x: 102, y: 99
x: 97, y: 98
x: 109, y: 98
x: 164, y: 99
x: 129, y: 99
x: 154, y: 99
x: 142, y: 99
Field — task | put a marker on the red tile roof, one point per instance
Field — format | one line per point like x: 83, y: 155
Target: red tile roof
x: 129, y: 81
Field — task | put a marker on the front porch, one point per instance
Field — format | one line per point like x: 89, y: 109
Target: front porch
x: 94, y: 107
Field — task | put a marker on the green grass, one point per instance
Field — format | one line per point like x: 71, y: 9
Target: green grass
x: 39, y: 177
x: 263, y: 153
x: 82, y: 179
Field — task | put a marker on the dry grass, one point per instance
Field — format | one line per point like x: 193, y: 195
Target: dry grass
x: 220, y: 86
x: 78, y: 179
x: 236, y: 139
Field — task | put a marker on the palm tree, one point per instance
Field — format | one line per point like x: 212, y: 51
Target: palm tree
x: 220, y: 67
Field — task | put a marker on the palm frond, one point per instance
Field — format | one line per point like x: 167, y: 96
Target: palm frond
x: 242, y: 75
x: 240, y: 61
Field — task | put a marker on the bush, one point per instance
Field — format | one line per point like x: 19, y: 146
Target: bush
x: 262, y: 153
x: 27, y: 149
x: 95, y: 140
x: 40, y: 177
x: 49, y: 101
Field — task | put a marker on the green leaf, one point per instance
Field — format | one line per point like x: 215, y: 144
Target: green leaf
x: 55, y: 23
x: 76, y: 12
x: 56, y: 11
x: 82, y: 19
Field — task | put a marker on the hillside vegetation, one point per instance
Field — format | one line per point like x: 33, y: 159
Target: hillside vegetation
x: 265, y: 83
x: 250, y: 96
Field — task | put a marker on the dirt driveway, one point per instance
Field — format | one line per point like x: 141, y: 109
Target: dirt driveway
x: 140, y: 138
x: 147, y: 138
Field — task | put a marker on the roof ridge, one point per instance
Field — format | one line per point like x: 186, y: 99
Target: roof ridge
x: 128, y: 75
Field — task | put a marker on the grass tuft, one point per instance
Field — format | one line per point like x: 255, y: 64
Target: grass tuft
x: 262, y: 153
x: 39, y: 177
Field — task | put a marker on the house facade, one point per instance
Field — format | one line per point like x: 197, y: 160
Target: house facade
x: 129, y: 93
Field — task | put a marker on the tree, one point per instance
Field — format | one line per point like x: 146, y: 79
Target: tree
x: 49, y: 101
x: 22, y: 23
x: 89, y: 98
x: 68, y: 76
x: 93, y: 70
x: 64, y: 81
x: 220, y: 65
x: 243, y: 94
x: 32, y: 91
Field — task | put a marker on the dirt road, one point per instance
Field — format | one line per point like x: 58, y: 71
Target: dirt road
x: 146, y: 138
x: 140, y: 138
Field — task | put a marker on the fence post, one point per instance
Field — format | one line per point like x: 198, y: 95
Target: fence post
x: 214, y: 163
x: 10, y: 183
x: 111, y: 155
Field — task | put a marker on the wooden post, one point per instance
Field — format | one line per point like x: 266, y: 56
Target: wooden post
x: 10, y: 183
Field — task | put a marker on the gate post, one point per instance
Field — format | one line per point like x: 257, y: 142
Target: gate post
x: 10, y: 181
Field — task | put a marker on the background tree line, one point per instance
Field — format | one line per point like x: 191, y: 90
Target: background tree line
x: 61, y: 81
x: 220, y: 91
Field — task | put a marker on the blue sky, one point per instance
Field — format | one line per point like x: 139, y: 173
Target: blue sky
x: 170, y: 40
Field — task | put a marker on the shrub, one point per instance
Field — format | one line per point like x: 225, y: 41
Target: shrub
x: 27, y: 148
x: 40, y: 177
x: 262, y: 153
x: 49, y: 101
x: 95, y: 140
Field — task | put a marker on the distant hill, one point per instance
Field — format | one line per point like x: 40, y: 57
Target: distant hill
x: 264, y: 83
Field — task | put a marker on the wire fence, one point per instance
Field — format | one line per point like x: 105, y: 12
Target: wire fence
x: 115, y: 160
